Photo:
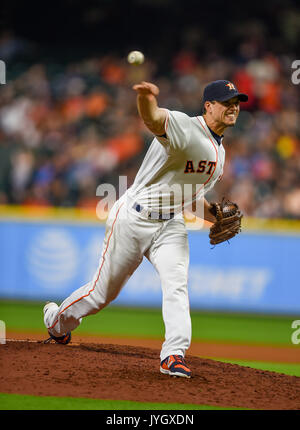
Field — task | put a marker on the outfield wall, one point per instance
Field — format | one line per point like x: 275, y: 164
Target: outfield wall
x: 258, y: 272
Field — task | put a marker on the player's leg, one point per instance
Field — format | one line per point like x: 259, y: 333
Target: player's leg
x: 121, y: 255
x: 170, y: 256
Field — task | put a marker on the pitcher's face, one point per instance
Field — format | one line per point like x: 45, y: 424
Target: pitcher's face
x: 225, y: 113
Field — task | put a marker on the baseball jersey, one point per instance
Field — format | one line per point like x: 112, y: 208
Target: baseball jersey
x: 180, y: 167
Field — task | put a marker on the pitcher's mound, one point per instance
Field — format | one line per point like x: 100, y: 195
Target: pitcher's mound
x: 122, y: 372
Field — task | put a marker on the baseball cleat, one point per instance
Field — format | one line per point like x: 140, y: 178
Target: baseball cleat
x: 175, y: 365
x: 49, y: 305
x: 63, y: 340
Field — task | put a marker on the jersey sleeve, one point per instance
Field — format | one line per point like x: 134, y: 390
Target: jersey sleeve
x: 177, y: 130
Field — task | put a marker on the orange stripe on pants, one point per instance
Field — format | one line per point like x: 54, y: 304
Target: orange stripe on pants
x: 92, y: 289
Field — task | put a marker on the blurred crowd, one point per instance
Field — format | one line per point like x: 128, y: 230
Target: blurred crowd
x: 67, y: 128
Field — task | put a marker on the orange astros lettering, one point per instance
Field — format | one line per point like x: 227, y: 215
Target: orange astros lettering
x: 230, y: 86
x: 202, y: 166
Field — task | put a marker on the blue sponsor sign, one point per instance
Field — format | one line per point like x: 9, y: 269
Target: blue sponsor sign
x: 254, y: 272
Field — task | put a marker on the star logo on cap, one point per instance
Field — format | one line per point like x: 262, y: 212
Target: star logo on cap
x: 230, y: 85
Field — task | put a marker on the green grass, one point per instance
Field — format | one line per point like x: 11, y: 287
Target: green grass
x: 26, y: 402
x: 292, y: 369
x: 144, y: 322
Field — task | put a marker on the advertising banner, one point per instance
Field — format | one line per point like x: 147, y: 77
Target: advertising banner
x: 253, y: 272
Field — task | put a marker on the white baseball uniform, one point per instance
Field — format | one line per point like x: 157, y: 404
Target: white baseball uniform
x: 188, y: 155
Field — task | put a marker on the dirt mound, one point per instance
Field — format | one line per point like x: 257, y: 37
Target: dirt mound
x: 132, y: 373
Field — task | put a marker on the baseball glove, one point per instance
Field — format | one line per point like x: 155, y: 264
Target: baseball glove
x: 228, y: 221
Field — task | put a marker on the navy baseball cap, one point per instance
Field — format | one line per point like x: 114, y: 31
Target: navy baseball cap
x: 222, y: 91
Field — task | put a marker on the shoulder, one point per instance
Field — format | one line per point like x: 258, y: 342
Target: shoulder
x: 178, y: 121
x: 201, y: 128
x: 177, y: 130
x: 177, y: 116
x: 199, y: 122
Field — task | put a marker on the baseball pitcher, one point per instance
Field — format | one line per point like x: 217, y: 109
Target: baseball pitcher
x: 186, y: 152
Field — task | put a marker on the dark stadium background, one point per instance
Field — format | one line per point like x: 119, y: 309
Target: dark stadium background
x: 186, y: 44
x: 72, y: 28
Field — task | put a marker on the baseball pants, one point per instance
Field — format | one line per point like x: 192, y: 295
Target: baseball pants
x: 129, y: 237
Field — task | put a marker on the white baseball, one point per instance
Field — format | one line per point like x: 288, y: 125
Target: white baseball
x: 135, y: 57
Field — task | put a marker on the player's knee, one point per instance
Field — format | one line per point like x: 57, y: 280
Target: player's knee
x: 177, y: 280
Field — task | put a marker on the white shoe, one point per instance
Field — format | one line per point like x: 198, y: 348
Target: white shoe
x: 64, y: 339
x: 48, y: 306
